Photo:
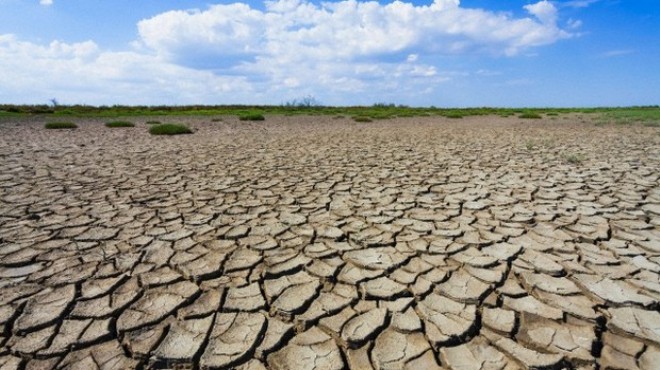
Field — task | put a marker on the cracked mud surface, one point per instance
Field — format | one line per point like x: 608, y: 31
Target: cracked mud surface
x: 319, y: 243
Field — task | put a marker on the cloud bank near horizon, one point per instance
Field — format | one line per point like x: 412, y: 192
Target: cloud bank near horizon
x: 236, y: 53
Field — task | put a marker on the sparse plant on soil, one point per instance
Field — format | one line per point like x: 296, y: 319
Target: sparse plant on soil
x: 153, y: 122
x: 362, y: 119
x: 60, y: 125
x: 216, y: 119
x: 548, y: 143
x: 251, y: 116
x: 647, y: 116
x: 530, y: 115
x: 529, y: 145
x: 170, y: 129
x: 115, y: 124
x: 573, y: 158
x: 454, y: 115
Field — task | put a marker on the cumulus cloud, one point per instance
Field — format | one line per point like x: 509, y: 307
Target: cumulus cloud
x: 46, y: 2
x: 82, y: 73
x: 296, y: 30
x: 544, y: 11
x: 340, y: 52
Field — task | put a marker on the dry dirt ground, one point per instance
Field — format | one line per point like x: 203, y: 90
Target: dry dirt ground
x: 320, y: 243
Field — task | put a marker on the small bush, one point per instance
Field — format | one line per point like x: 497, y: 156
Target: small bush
x: 530, y: 115
x: 60, y: 125
x: 454, y: 115
x: 170, y: 129
x: 153, y: 122
x: 362, y: 119
x: 573, y: 158
x: 251, y: 116
x: 115, y: 124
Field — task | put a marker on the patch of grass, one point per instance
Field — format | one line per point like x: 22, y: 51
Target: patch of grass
x: 216, y: 119
x: 647, y: 116
x: 115, y: 124
x: 530, y: 115
x: 60, y: 125
x: 380, y: 115
x: 170, y: 129
x: 573, y: 158
x: 153, y: 122
x: 454, y: 115
x: 362, y: 119
x: 548, y: 143
x: 251, y: 116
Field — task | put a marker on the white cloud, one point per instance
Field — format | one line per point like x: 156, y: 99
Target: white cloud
x: 295, y: 30
x: 81, y: 73
x: 616, y: 53
x: 573, y: 23
x: 340, y: 52
x: 544, y: 11
x: 46, y: 2
x: 578, y: 3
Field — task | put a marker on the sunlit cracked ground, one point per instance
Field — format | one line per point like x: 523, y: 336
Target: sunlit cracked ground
x: 320, y: 243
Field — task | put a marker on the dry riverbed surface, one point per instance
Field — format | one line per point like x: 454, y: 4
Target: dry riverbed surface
x: 320, y: 243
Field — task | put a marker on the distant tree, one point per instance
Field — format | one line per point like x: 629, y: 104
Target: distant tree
x: 54, y: 102
x: 304, y: 102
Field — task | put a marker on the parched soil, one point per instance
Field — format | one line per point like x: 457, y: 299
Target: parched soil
x: 322, y: 243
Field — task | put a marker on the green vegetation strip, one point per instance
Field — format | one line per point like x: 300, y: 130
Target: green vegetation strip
x: 60, y: 125
x: 530, y: 115
x: 362, y: 119
x: 251, y: 116
x: 647, y: 116
x: 169, y: 129
x: 119, y: 124
x: 642, y: 115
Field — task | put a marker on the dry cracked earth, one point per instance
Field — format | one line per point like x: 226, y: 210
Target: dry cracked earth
x: 320, y: 243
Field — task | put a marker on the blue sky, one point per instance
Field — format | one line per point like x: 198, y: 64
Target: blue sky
x: 446, y: 53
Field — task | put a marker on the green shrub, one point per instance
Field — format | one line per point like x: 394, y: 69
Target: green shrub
x: 114, y: 124
x: 362, y: 119
x: 573, y: 158
x: 453, y: 115
x: 530, y: 115
x: 251, y: 116
x: 170, y: 129
x: 60, y: 125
